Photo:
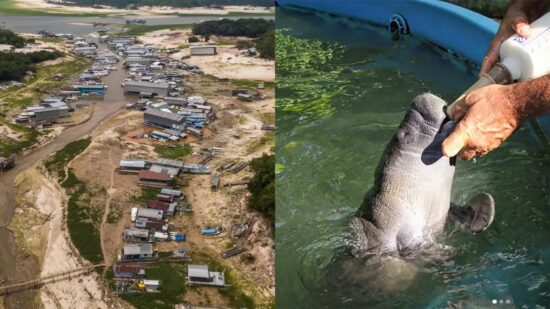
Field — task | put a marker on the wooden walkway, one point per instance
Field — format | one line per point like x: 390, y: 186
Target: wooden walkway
x: 37, y: 283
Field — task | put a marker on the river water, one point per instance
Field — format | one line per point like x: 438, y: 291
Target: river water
x: 84, y: 25
x: 342, y: 90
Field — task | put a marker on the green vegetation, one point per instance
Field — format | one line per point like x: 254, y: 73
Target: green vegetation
x: 146, y: 194
x: 242, y: 44
x: 137, y: 30
x: 262, y: 186
x: 11, y: 38
x: 493, y: 9
x: 82, y: 220
x: 232, y: 290
x: 29, y: 137
x: 44, y: 80
x: 301, y: 59
x: 174, y: 152
x: 10, y: 8
x: 14, y: 66
x: 265, y: 45
x: 172, y: 288
x: 249, y: 27
x: 247, y: 83
x: 174, y: 3
x: 57, y: 162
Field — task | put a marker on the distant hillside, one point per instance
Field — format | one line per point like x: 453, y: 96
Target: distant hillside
x: 173, y: 3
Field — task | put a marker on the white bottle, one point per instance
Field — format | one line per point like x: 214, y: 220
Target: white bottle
x: 528, y: 58
x: 521, y: 59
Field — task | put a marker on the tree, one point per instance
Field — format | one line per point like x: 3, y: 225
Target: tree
x: 262, y: 186
x: 193, y: 39
x: 266, y: 45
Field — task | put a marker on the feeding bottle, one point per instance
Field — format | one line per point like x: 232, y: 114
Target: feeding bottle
x: 521, y: 59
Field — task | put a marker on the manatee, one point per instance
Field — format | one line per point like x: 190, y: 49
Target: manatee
x: 409, y: 204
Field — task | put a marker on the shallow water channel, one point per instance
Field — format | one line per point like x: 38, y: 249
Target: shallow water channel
x: 343, y: 89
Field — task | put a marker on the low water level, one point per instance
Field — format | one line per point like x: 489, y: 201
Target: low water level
x: 343, y: 89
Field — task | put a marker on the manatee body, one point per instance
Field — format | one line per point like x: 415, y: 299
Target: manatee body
x: 410, y: 201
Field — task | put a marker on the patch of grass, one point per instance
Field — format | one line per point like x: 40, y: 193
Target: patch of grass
x: 267, y: 139
x: 146, y: 194
x: 174, y: 152
x: 172, y: 287
x: 247, y: 83
x: 113, y: 217
x: 57, y: 162
x: 44, y: 79
x: 8, y: 147
x: 226, y: 41
x: 236, y: 298
x: 80, y: 220
x: 9, y: 7
x: 268, y: 117
x: 137, y: 30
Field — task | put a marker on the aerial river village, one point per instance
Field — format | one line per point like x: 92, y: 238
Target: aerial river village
x: 134, y: 148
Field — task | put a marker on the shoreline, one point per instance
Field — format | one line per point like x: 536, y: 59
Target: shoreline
x: 60, y: 9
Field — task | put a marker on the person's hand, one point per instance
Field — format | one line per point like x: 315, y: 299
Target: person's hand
x: 516, y: 20
x: 492, y: 116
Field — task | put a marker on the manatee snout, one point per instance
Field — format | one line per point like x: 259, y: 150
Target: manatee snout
x: 422, y: 123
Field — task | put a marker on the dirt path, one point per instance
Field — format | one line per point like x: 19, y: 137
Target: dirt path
x: 106, y: 257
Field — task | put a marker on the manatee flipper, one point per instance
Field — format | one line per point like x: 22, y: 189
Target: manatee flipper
x: 477, y: 216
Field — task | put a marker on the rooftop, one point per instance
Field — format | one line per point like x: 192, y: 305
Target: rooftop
x: 148, y: 175
x: 138, y: 249
x: 171, y: 116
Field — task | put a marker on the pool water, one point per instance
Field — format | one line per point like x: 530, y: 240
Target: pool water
x: 342, y: 90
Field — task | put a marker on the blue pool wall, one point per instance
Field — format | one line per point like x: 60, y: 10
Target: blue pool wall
x: 456, y: 29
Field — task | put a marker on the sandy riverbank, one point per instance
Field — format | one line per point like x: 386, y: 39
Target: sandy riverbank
x: 39, y: 230
x: 145, y: 10
x: 230, y: 62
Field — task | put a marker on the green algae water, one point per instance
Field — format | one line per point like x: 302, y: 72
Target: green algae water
x: 342, y: 90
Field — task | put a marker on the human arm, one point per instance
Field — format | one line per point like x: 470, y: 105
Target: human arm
x: 493, y: 114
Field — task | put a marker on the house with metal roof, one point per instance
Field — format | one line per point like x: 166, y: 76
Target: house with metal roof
x: 129, y: 166
x: 137, y: 252
x: 128, y: 270
x: 157, y: 118
x: 176, y: 193
x: 154, y: 214
x: 158, y: 89
x: 200, y: 275
x: 202, y: 50
x: 136, y: 234
x: 155, y: 225
x: 153, y: 179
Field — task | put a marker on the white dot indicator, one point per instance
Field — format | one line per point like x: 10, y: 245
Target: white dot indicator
x: 494, y: 301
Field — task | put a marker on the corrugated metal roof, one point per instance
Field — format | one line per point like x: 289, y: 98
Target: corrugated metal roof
x: 150, y: 213
x: 198, y: 271
x: 171, y: 192
x: 138, y: 249
x: 153, y: 204
x: 172, y: 171
x: 170, y: 162
x: 127, y: 268
x: 171, y: 116
x: 146, y: 84
x: 148, y: 175
x: 133, y: 163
